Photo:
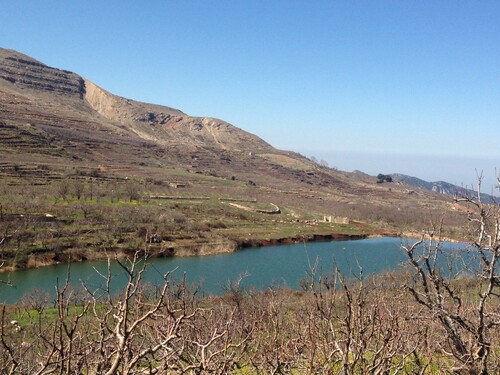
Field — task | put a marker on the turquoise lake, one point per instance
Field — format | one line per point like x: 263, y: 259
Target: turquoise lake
x: 273, y: 266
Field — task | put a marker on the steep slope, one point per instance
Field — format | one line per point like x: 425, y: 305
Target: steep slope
x: 27, y: 82
x: 46, y: 106
x: 27, y: 73
x: 168, y: 126
x: 56, y: 113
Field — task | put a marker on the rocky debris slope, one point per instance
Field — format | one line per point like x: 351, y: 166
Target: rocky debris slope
x: 169, y: 126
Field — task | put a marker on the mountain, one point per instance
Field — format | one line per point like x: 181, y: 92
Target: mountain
x: 51, y: 112
x: 441, y: 187
x: 51, y: 100
x: 56, y: 125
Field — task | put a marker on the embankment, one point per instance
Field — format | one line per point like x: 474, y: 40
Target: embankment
x: 176, y: 249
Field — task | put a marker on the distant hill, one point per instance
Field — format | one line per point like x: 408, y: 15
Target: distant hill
x: 441, y: 187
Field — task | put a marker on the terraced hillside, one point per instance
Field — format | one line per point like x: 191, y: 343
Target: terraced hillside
x: 56, y: 113
x: 60, y: 131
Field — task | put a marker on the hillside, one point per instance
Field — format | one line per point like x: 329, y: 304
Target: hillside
x: 70, y: 149
x: 441, y: 187
x: 46, y: 98
x: 56, y: 111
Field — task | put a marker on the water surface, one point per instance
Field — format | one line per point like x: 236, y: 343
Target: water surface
x: 273, y: 266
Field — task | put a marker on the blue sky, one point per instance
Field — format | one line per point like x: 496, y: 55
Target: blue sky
x: 379, y: 86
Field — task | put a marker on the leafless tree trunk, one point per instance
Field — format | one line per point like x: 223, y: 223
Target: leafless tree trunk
x: 468, y: 327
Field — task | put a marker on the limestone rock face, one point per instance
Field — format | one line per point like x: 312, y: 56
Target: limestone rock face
x: 27, y: 73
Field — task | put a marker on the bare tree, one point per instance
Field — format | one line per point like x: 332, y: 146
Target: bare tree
x: 133, y: 190
x: 62, y: 189
x: 78, y: 188
x: 359, y: 326
x: 469, y: 327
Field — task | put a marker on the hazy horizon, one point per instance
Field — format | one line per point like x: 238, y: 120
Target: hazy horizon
x: 460, y: 171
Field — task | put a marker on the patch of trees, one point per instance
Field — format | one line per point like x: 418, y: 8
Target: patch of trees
x: 321, y: 163
x: 381, y: 178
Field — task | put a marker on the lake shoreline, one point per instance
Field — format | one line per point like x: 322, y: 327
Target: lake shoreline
x: 220, y: 246
x: 198, y: 249
x: 282, y: 265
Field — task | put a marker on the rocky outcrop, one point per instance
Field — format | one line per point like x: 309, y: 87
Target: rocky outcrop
x: 27, y: 73
x: 124, y: 110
